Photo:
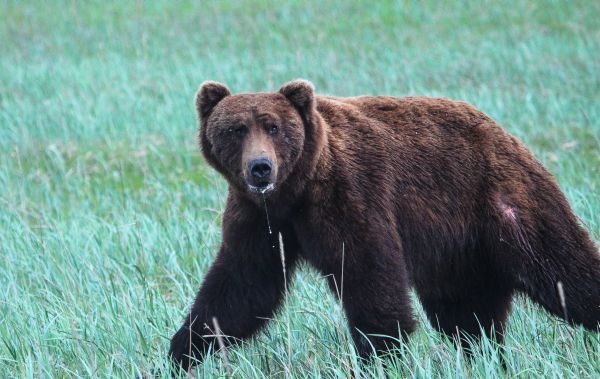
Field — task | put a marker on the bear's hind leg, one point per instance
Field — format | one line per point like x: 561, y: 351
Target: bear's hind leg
x: 468, y: 313
x: 553, y: 259
x: 562, y: 274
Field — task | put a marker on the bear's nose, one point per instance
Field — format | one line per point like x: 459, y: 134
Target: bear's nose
x: 260, y: 168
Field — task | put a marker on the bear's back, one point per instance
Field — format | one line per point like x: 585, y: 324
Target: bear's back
x: 404, y: 112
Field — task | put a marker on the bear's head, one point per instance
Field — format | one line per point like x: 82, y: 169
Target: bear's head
x: 255, y: 140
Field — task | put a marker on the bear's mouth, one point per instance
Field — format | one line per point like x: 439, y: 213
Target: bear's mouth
x: 261, y: 189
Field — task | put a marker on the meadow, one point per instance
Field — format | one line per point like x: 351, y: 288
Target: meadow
x: 109, y: 218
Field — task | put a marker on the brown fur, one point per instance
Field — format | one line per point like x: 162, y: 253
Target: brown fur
x: 424, y: 193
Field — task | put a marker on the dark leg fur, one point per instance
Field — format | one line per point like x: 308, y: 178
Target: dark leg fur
x: 466, y: 318
x: 551, y: 247
x: 477, y: 304
x: 375, y: 291
x: 377, y: 303
x: 242, y: 289
x: 567, y: 256
x: 241, y: 297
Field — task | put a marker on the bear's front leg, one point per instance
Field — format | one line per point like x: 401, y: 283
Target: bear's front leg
x: 375, y: 296
x: 371, y: 278
x: 361, y: 255
x: 242, y: 289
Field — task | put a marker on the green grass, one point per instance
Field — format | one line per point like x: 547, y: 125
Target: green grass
x: 109, y: 218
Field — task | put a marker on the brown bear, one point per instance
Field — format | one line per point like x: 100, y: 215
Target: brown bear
x: 411, y: 192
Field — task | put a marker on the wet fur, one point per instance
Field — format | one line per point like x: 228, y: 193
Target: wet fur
x: 423, y: 193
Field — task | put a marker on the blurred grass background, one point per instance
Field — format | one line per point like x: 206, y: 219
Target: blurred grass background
x: 109, y: 218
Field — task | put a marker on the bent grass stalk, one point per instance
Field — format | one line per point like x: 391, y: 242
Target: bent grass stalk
x: 222, y: 347
x: 285, y: 289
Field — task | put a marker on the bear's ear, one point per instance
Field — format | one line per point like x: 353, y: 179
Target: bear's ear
x: 301, y: 93
x: 209, y: 95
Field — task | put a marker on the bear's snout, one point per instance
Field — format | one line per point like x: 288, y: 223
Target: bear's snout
x: 260, y: 169
x: 259, y: 174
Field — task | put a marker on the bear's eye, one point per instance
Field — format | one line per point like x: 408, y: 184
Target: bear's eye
x: 273, y: 129
x: 239, y: 130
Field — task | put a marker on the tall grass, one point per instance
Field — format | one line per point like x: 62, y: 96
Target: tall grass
x: 109, y: 218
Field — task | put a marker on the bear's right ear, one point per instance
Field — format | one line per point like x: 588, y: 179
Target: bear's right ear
x: 209, y: 95
x: 301, y: 93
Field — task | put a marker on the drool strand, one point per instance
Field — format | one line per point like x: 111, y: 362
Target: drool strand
x: 266, y: 212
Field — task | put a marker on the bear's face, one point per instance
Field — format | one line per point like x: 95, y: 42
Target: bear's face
x: 254, y: 140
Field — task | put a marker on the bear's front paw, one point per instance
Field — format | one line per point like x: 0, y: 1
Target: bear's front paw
x: 186, y: 348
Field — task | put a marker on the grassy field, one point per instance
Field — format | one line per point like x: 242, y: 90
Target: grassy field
x: 109, y: 218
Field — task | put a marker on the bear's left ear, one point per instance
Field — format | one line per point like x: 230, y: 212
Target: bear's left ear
x: 209, y: 95
x: 301, y: 93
